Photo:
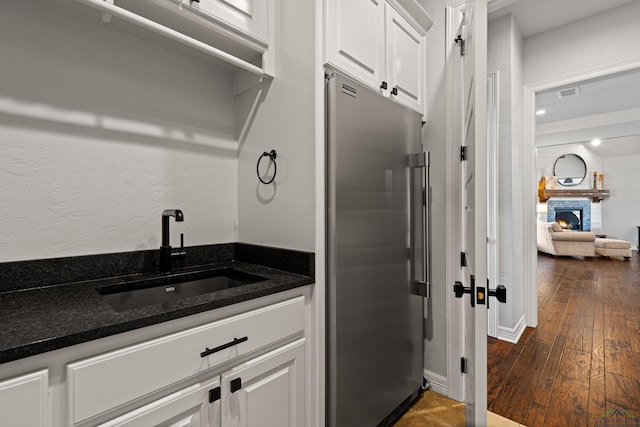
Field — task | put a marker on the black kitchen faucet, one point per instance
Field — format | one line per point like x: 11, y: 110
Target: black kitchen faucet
x: 166, y: 254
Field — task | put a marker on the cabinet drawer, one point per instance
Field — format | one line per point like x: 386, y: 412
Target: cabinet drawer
x: 104, y: 382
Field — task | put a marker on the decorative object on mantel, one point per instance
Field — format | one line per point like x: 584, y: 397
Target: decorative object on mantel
x: 595, y: 195
x: 601, y: 182
x: 546, y: 182
x: 271, y: 155
x: 595, y: 176
x: 551, y: 182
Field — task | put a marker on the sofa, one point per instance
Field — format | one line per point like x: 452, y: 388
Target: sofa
x: 554, y: 240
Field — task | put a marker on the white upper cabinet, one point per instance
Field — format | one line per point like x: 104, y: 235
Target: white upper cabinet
x: 355, y: 38
x: 406, y: 61
x: 381, y: 43
x: 248, y: 16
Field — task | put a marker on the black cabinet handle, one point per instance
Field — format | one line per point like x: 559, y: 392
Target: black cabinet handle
x: 236, y: 385
x: 394, y: 91
x: 383, y: 85
x: 214, y: 394
x: 207, y: 351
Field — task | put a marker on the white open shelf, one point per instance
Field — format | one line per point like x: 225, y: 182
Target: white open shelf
x: 178, y: 25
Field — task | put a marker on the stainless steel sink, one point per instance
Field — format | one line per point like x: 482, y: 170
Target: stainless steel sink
x: 151, y: 291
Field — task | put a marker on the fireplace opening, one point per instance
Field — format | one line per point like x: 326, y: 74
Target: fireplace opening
x: 570, y: 219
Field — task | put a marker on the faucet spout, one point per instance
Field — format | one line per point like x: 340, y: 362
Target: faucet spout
x: 165, y: 249
x: 166, y: 214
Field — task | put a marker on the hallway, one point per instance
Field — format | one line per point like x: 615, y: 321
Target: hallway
x: 583, y: 359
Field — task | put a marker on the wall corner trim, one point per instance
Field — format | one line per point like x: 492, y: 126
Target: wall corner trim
x: 512, y: 335
x: 438, y: 382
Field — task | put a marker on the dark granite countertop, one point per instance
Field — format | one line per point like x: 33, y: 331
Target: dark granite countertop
x: 40, y: 319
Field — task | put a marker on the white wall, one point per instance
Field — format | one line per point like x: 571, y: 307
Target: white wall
x: 505, y: 56
x: 603, y: 39
x: 621, y: 212
x: 434, y: 137
x: 100, y: 131
x: 546, y: 157
x: 283, y: 213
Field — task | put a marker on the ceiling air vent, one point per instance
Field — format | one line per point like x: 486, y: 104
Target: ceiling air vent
x: 572, y: 91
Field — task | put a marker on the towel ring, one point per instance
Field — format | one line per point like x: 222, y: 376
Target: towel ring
x: 271, y: 155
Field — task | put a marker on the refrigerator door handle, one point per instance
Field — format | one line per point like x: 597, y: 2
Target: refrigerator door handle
x: 421, y: 286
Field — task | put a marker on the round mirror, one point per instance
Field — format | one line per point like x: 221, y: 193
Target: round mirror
x: 569, y: 169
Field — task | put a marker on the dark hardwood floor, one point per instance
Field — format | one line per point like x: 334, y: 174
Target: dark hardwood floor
x: 583, y: 359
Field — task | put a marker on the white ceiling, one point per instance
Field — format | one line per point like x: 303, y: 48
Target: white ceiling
x: 599, y: 96
x: 607, y: 108
x: 537, y: 16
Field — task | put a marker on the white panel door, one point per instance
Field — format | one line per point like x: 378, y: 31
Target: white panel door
x: 267, y: 390
x: 355, y: 39
x: 249, y: 16
x: 195, y: 406
x: 474, y: 227
x: 406, y: 61
x: 24, y: 401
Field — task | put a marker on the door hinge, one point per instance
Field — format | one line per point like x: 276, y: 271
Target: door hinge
x: 463, y: 259
x: 460, y: 42
x: 463, y: 153
x: 463, y: 365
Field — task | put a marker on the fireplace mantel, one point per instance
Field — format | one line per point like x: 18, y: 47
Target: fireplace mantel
x: 594, y: 195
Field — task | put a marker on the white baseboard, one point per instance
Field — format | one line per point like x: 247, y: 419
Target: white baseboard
x: 437, y: 383
x: 512, y: 335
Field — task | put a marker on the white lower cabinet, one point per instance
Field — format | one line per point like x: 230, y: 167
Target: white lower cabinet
x: 24, y: 400
x: 243, y: 370
x: 262, y: 392
x: 266, y: 391
x: 194, y: 406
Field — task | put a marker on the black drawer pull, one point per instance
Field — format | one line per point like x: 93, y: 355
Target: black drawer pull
x: 207, y: 351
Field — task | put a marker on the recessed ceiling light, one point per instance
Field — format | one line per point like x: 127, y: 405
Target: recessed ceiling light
x: 595, y: 142
x: 541, y: 112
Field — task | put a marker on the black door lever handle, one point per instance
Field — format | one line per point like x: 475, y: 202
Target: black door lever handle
x: 459, y: 289
x: 500, y: 292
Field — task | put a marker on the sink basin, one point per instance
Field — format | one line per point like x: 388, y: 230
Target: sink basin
x: 152, y: 291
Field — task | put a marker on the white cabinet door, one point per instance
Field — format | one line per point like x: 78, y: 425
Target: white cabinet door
x: 355, y: 38
x: 267, y: 390
x: 249, y: 16
x: 406, y: 61
x: 195, y: 406
x: 24, y: 400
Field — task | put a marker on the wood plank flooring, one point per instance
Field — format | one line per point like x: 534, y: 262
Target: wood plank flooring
x: 434, y: 410
x: 583, y: 359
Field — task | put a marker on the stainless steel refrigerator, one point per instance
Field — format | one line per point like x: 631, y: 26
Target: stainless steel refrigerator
x: 377, y: 255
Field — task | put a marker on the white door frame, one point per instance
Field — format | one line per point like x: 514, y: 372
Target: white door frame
x: 529, y: 182
x: 493, y: 96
